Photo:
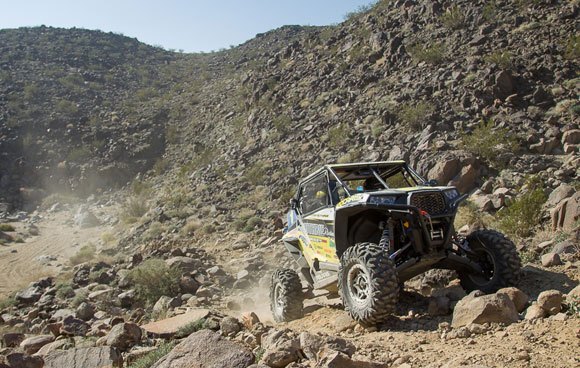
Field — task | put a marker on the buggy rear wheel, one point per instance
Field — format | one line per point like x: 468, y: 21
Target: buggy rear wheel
x: 498, y: 258
x: 286, y: 297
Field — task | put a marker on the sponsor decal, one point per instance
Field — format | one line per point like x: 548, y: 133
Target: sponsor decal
x: 318, y: 230
x: 352, y: 198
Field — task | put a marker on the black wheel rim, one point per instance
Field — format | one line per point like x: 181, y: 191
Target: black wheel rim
x: 484, y: 258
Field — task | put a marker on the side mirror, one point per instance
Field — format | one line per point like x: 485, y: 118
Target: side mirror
x: 432, y: 183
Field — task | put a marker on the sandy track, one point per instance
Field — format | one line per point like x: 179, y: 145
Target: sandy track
x: 59, y: 237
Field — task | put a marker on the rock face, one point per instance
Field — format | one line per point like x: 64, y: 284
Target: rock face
x: 32, y: 344
x: 169, y: 327
x: 565, y: 215
x: 207, y: 349
x: 99, y: 357
x: 124, y: 335
x: 477, y: 308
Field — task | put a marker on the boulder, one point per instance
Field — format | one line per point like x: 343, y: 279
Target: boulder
x: 477, y: 308
x: 571, y: 136
x: 518, y: 297
x: 74, y: 327
x: 93, y: 357
x: 312, y: 345
x: 504, y: 84
x: 207, y: 349
x: 85, y: 218
x: 19, y: 360
x: 183, y: 264
x: 229, y: 326
x: 29, y: 295
x: 335, y: 359
x: 62, y: 344
x: 465, y: 180
x: 124, y: 336
x: 551, y: 259
x: 565, y: 247
x: 551, y: 301
x: 559, y: 194
x: 32, y: 344
x: 127, y: 299
x: 85, y: 311
x: 567, y: 213
x: 281, y: 348
x: 12, y: 340
x: 444, y: 171
x: 534, y: 311
x: 169, y: 327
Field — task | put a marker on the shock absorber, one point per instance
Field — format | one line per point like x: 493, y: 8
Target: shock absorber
x: 387, y: 235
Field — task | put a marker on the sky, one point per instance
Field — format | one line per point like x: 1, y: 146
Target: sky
x: 191, y: 26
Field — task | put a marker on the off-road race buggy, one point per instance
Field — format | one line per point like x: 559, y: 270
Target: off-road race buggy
x: 363, y: 229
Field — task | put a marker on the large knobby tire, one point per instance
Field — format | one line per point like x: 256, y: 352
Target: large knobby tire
x: 368, y: 284
x: 499, y: 259
x: 286, y: 297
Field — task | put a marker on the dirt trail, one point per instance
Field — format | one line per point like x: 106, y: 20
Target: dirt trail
x: 22, y: 263
x: 548, y: 343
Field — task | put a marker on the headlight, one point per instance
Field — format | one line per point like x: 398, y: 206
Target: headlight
x: 451, y: 194
x: 382, y: 200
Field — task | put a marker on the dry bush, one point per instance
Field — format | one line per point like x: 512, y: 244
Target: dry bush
x: 85, y: 254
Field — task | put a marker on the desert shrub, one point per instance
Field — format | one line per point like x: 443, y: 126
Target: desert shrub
x: 66, y: 107
x: 490, y: 10
x: 160, y: 166
x: 489, y: 142
x: 190, y: 227
x: 572, y: 50
x: 134, y: 208
x: 415, y: 115
x: 145, y: 94
x: 453, y: 17
x: 153, y: 278
x: 78, y: 154
x: 6, y: 227
x: 255, y: 174
x: 469, y: 214
x: 64, y: 290
x: 359, y: 10
x: 338, y: 136
x: 155, y: 229
x: 282, y: 123
x: 79, y: 298
x: 190, y: 328
x: 152, y: 357
x: 7, y: 302
x: 172, y: 134
x: 574, y: 305
x: 252, y: 223
x: 503, y: 59
x: 519, y: 218
x: 85, y: 254
x: 208, y: 229
x: 432, y: 54
x: 139, y: 188
x: 107, y: 237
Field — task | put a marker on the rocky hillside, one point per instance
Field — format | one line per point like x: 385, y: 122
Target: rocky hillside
x: 184, y: 165
x: 71, y: 106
